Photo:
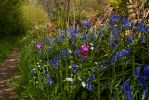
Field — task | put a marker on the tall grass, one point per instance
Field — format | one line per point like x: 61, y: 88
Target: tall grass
x: 6, y: 45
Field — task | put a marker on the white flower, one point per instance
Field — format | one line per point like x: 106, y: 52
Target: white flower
x: 96, y: 63
x: 69, y: 51
x: 69, y: 79
x: 92, y: 48
x: 79, y: 78
x: 70, y: 66
x: 83, y: 84
x: 38, y: 66
x: 91, y: 44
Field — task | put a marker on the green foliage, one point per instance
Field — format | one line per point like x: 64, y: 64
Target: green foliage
x: 6, y: 45
x: 113, y: 56
x: 9, y: 17
x: 33, y: 16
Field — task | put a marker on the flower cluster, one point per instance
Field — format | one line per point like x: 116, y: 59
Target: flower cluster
x: 90, y: 57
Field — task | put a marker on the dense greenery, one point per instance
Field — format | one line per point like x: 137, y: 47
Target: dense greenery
x: 87, y: 63
x: 66, y: 54
x: 6, y: 45
x: 10, y: 17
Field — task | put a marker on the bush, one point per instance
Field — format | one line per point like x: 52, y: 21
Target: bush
x: 33, y: 16
x: 9, y: 17
x: 86, y: 63
x: 18, y: 17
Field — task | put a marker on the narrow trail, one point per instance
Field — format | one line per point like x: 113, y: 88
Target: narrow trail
x: 8, y: 70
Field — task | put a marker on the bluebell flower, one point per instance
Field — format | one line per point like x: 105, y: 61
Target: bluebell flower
x: 113, y: 19
x: 92, y: 77
x: 89, y: 86
x: 126, y: 22
x: 138, y: 69
x: 49, y: 40
x: 127, y: 90
x: 129, y: 39
x: 56, y: 39
x: 146, y: 72
x: 143, y: 39
x: 119, y: 54
x: 101, y: 30
x: 76, y: 52
x: 115, y: 31
x: 122, y: 53
x: 64, y: 52
x: 72, y: 37
x: 114, y: 42
x: 113, y: 58
x: 141, y: 27
x: 54, y: 62
x: 78, y: 29
x: 143, y: 84
x: 86, y: 24
x: 84, y: 38
x: 62, y: 36
x: 142, y: 79
x: 49, y: 80
x: 75, y: 68
x: 71, y: 29
x: 147, y: 30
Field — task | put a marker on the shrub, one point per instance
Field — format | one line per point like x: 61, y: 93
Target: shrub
x: 33, y: 16
x: 9, y: 17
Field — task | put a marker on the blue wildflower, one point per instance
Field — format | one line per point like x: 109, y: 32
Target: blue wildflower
x: 84, y: 38
x: 49, y: 80
x: 127, y: 90
x: 129, y: 39
x: 115, y: 31
x: 62, y: 36
x: 92, y: 77
x: 143, y: 39
x: 86, y: 24
x: 126, y: 22
x: 142, y: 79
x: 146, y: 72
x: 49, y: 40
x: 54, y: 62
x: 147, y: 30
x: 64, y: 52
x: 56, y: 39
x: 78, y: 29
x: 119, y: 54
x: 75, y: 68
x: 138, y: 69
x: 113, y: 19
x: 89, y: 86
x: 122, y: 53
x: 141, y: 27
x: 76, y: 52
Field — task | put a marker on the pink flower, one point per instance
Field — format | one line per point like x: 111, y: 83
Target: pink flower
x: 85, y: 48
x: 39, y: 45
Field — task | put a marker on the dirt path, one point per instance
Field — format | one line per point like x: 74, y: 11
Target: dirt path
x: 8, y: 70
